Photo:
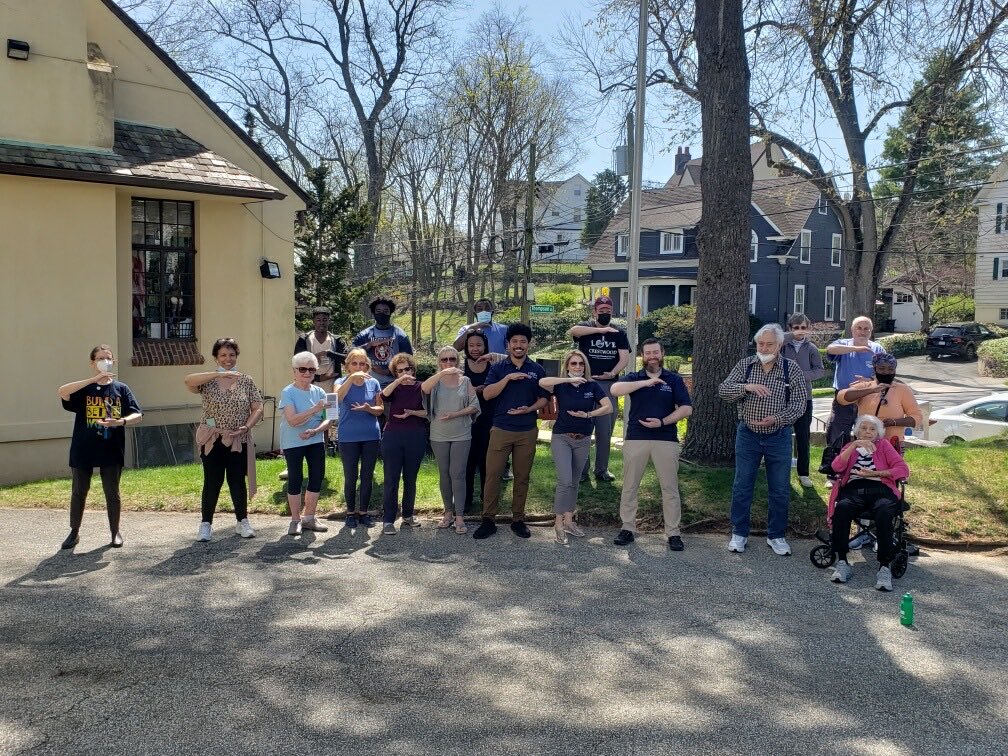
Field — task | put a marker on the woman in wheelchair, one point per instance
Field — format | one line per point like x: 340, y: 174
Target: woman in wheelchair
x: 869, y: 469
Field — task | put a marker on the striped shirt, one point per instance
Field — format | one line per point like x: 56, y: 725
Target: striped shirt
x: 752, y: 408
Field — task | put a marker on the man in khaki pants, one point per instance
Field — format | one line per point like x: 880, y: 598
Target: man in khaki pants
x: 658, y: 400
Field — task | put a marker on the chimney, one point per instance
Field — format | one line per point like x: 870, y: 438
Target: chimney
x: 102, y: 76
x: 681, y: 158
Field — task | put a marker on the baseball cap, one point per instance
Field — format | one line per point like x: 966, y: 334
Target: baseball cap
x: 602, y: 300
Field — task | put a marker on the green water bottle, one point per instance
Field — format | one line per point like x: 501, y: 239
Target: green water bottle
x: 906, y: 610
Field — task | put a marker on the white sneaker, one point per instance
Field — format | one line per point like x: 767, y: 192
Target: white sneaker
x: 806, y: 481
x: 860, y: 541
x: 883, y: 581
x: 244, y: 529
x: 204, y: 532
x: 779, y: 545
x: 841, y: 572
x: 829, y: 482
x: 737, y: 543
x: 794, y: 462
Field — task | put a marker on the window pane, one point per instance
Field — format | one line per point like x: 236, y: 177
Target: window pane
x: 169, y: 212
x: 152, y: 234
x: 138, y: 233
x: 152, y: 213
x: 184, y: 238
x: 138, y: 210
x: 168, y: 235
x: 185, y: 213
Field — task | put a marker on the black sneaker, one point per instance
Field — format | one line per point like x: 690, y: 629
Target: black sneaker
x: 585, y: 478
x: 520, y: 529
x: 624, y: 537
x: 605, y: 476
x: 71, y: 540
x: 486, y: 529
x: 675, y: 543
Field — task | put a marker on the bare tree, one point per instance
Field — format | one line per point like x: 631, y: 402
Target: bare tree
x: 850, y: 64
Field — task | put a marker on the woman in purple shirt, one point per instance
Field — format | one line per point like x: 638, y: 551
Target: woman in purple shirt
x: 404, y: 441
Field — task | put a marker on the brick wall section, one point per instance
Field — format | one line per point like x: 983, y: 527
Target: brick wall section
x: 165, y: 352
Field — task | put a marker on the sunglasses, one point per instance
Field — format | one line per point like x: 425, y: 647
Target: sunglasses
x: 449, y: 359
x: 307, y: 369
x: 405, y: 370
x: 799, y: 328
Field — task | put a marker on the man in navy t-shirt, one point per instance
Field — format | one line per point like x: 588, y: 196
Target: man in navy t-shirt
x: 383, y: 340
x: 658, y: 400
x: 514, y: 383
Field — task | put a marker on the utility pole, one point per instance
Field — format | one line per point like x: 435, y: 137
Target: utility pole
x: 526, y: 316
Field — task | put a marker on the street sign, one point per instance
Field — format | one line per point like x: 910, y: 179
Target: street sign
x: 541, y: 308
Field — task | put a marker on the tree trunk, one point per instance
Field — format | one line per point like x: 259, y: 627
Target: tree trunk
x: 722, y: 321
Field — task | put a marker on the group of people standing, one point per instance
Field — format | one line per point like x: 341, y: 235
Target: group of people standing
x: 479, y: 413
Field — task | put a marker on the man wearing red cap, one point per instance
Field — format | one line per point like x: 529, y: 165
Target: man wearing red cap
x: 608, y: 351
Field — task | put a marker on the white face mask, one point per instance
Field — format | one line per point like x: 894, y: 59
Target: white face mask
x: 576, y: 372
x: 765, y: 358
x: 483, y: 316
x: 104, y: 365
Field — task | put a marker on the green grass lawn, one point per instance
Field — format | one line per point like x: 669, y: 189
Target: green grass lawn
x: 957, y: 493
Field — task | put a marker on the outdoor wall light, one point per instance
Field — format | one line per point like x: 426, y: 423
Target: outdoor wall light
x: 17, y: 49
x: 269, y: 269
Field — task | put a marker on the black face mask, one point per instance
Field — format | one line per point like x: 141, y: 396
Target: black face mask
x: 382, y: 320
x: 603, y: 318
x: 885, y: 378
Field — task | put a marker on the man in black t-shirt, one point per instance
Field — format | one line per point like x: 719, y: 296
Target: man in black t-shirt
x: 608, y: 351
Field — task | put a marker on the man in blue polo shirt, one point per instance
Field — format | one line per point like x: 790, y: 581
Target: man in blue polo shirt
x: 514, y: 383
x: 658, y: 400
x: 496, y: 333
x: 853, y: 360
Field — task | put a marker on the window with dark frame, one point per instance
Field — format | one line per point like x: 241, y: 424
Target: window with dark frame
x: 164, y: 269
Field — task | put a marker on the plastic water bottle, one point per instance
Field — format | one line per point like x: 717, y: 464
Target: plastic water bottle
x: 907, y: 610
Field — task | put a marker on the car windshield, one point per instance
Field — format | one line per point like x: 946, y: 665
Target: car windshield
x: 945, y: 331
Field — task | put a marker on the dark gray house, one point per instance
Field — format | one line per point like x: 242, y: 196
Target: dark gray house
x: 795, y: 263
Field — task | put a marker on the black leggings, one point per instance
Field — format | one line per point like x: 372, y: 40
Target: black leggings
x: 477, y: 461
x: 802, y: 426
x: 315, y: 455
x: 865, y: 498
x: 362, y: 456
x: 81, y: 484
x: 219, y: 464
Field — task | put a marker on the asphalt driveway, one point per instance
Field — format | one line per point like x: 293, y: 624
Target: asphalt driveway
x: 428, y: 642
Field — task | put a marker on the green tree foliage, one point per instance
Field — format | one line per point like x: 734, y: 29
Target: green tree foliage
x: 605, y: 194
x: 322, y: 254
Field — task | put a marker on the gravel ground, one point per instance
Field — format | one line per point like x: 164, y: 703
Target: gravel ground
x: 429, y: 642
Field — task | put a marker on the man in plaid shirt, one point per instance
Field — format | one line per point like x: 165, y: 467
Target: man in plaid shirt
x: 771, y: 392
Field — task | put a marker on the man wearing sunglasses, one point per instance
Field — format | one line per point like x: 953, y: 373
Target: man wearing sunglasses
x: 889, y: 400
x: 798, y: 347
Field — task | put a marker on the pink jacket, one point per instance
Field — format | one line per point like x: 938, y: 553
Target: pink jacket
x: 885, y: 458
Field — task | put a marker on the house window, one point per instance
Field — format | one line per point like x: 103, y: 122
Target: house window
x: 754, y: 248
x: 835, y: 250
x: 671, y: 243
x: 555, y: 213
x: 903, y: 297
x: 821, y: 205
x: 577, y: 192
x: 799, y: 300
x: 1003, y: 313
x: 577, y: 216
x: 843, y: 304
x: 830, y: 298
x: 164, y: 269
x: 1000, y: 269
x: 805, y: 256
x: 752, y: 299
x: 622, y: 244
x: 998, y: 216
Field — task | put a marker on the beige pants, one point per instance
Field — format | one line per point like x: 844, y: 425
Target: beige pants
x: 665, y: 455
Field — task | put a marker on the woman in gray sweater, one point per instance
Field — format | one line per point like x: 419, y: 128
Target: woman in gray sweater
x: 798, y: 347
x: 453, y: 406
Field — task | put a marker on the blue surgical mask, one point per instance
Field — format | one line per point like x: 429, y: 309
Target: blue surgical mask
x: 222, y: 370
x: 483, y: 316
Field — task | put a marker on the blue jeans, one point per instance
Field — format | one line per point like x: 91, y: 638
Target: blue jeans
x: 750, y: 449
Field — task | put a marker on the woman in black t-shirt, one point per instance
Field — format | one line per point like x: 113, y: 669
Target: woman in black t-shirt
x: 474, y: 366
x: 579, y: 401
x: 103, y: 407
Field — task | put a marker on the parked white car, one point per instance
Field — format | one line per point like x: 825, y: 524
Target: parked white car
x: 979, y: 418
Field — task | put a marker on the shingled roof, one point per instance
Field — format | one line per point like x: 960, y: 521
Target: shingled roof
x: 142, y: 155
x: 786, y: 202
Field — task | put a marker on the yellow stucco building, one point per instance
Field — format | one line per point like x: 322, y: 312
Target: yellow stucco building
x: 133, y: 212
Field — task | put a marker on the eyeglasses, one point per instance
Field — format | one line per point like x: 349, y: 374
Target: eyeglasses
x: 405, y: 370
x: 307, y: 369
x: 449, y: 359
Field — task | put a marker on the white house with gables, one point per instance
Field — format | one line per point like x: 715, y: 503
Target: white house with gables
x: 991, y: 291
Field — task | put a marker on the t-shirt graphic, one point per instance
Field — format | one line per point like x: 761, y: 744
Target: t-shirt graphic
x: 602, y: 349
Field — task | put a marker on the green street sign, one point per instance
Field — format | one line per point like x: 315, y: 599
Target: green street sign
x: 541, y: 308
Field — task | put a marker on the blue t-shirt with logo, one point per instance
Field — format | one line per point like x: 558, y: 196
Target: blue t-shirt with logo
x: 299, y: 400
x: 583, y: 398
x: 358, y: 425
x: 853, y: 363
x: 655, y: 401
x: 520, y: 393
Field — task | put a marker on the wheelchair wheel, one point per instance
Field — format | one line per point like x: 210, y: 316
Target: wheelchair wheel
x: 898, y: 566
x: 822, y: 556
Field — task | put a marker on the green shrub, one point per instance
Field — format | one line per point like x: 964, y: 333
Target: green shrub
x: 952, y: 309
x: 992, y: 358
x: 426, y: 366
x: 672, y: 326
x: 904, y: 344
x: 673, y: 362
x: 560, y: 300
